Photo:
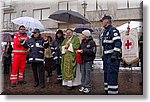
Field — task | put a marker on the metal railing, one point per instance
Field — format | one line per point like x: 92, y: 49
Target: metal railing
x: 7, y: 25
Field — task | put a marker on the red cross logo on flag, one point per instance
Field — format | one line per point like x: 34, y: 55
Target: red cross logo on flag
x: 128, y: 44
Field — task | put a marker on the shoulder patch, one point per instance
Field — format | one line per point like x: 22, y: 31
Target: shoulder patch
x: 115, y: 34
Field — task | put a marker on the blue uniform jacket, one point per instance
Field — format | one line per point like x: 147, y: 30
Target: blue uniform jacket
x: 36, y: 46
x: 111, y: 41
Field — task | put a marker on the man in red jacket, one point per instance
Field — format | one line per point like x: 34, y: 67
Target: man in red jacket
x: 20, y: 53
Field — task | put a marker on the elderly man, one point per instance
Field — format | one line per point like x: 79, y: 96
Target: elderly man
x: 69, y: 65
x: 111, y: 43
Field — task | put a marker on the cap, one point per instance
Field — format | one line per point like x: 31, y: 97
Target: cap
x: 86, y: 33
x: 36, y: 30
x: 106, y: 17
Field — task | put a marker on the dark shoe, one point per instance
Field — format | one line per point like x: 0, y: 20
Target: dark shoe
x: 36, y: 84
x: 69, y: 88
x: 20, y: 82
x: 24, y: 82
x: 42, y: 86
x: 13, y: 85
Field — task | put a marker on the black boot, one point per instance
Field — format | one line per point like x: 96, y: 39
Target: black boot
x: 13, y: 85
x: 20, y: 82
x: 42, y: 86
x: 69, y: 88
x: 36, y: 84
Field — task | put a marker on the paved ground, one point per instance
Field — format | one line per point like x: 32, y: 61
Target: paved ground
x: 128, y: 85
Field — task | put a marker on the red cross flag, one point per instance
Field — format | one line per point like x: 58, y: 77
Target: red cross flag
x: 130, y: 53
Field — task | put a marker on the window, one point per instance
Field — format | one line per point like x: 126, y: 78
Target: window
x: 12, y: 16
x: 7, y: 2
x: 102, y: 4
x: 91, y: 5
x: 9, y: 16
x: 45, y: 13
x: 128, y: 4
x: 6, y: 17
x: 68, y: 5
x: 73, y: 5
x: 41, y: 14
x: 122, y: 4
x: 24, y: 13
x: 63, y: 5
x: 134, y: 3
x: 37, y: 14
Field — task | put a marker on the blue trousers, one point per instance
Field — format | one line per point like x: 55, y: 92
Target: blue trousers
x: 111, y: 70
x: 86, y: 74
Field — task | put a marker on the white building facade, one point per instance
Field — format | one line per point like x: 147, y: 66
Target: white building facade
x: 121, y: 11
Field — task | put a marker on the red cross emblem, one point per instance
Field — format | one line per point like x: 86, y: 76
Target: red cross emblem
x: 128, y: 44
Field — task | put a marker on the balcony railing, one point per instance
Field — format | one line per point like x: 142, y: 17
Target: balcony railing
x: 7, y: 25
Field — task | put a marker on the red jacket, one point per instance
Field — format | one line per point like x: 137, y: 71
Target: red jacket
x: 18, y: 48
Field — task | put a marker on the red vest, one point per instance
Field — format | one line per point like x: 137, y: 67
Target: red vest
x: 18, y: 48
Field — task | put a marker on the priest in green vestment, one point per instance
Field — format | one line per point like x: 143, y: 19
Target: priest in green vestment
x: 69, y: 65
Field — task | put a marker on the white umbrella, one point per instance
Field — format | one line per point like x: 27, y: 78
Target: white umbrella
x: 28, y: 22
x: 133, y: 24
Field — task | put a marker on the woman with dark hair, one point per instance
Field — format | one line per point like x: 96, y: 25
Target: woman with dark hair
x: 7, y: 57
x: 57, y: 54
x: 48, y: 59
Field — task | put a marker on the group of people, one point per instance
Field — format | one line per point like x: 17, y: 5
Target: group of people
x: 44, y: 54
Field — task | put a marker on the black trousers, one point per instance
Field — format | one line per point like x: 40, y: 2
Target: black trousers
x: 6, y: 68
x: 59, y: 74
x: 38, y: 73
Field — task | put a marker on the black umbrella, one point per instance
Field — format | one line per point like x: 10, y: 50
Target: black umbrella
x: 81, y: 28
x: 69, y: 16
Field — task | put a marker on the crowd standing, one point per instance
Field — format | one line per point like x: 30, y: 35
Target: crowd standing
x: 71, y: 55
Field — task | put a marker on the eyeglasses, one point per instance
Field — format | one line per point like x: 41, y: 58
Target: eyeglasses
x: 21, y: 29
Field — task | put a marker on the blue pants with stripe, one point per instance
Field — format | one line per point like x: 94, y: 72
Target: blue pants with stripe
x: 111, y: 70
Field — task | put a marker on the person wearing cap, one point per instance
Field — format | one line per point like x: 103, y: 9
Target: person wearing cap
x: 88, y: 51
x: 20, y: 53
x: 111, y: 43
x: 37, y: 44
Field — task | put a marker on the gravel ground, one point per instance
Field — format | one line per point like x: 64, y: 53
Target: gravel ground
x: 128, y: 85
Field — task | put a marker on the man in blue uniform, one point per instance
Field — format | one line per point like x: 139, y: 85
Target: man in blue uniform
x: 111, y: 43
